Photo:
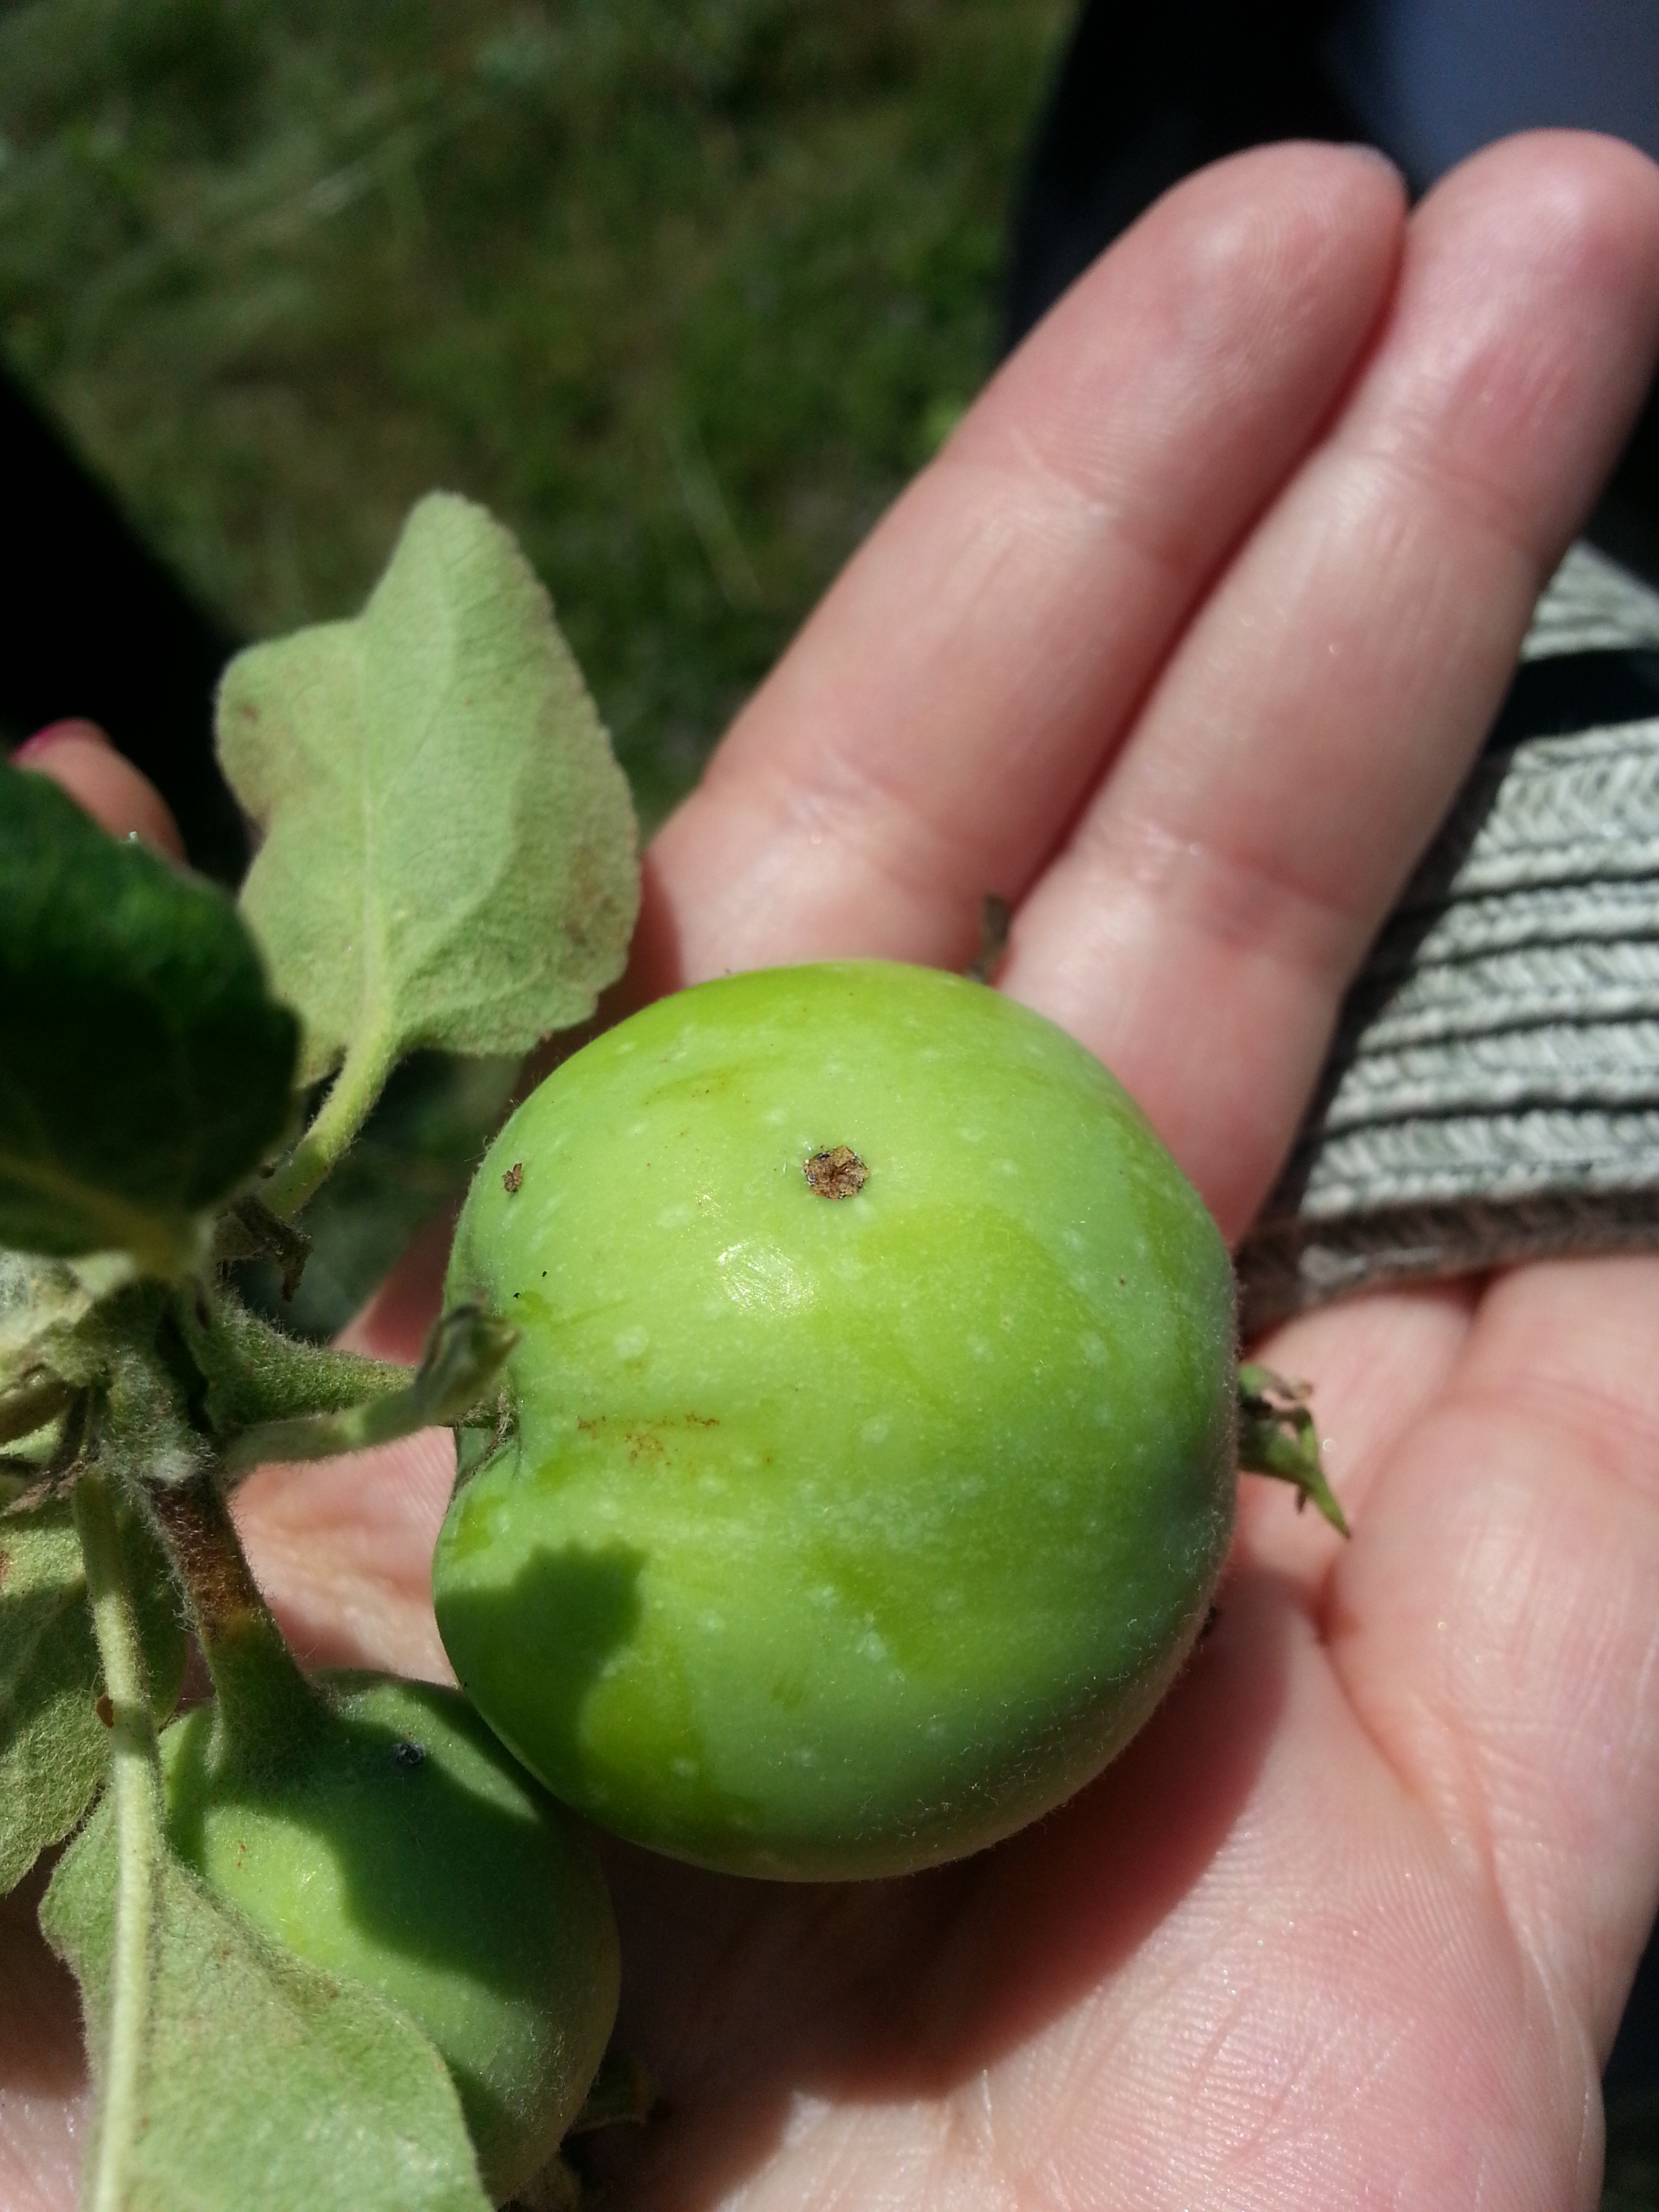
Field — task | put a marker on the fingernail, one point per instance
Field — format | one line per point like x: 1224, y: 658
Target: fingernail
x: 1373, y: 153
x: 55, y: 733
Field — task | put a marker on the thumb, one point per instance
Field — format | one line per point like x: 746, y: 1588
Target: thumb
x: 79, y: 759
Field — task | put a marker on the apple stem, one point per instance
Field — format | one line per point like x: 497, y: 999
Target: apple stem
x: 463, y: 1355
x: 265, y: 1703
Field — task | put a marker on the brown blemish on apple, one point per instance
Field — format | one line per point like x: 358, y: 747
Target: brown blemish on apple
x: 837, y: 1173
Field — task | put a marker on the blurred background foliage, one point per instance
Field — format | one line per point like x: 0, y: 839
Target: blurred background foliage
x: 684, y: 289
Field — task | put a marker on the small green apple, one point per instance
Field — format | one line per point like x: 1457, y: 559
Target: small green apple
x: 398, y: 1846
x: 874, y: 1452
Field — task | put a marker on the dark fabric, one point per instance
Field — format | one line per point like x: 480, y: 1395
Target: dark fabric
x: 96, y: 625
x: 1144, y: 97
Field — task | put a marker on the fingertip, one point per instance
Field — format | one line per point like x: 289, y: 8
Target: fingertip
x: 1537, y: 261
x: 1589, y: 201
x: 1362, y: 149
x: 1355, y: 167
x: 1302, y: 188
x: 78, y: 757
x: 1596, y: 156
x: 72, y: 729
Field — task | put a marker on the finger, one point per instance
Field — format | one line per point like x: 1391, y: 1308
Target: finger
x: 398, y: 1317
x: 1199, y: 927
x: 1493, y: 1622
x: 341, y: 1550
x: 933, y: 730
x: 43, y: 2073
x: 79, y: 759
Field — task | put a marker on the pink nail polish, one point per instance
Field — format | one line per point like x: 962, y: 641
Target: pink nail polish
x: 73, y: 726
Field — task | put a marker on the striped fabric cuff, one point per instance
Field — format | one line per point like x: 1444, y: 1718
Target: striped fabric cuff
x: 1492, y: 1092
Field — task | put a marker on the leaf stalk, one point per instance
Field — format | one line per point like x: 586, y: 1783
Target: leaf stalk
x: 135, y: 1792
x: 369, y: 1061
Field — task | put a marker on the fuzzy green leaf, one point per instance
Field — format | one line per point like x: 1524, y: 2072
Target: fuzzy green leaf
x: 263, y: 2083
x: 450, y: 852
x: 42, y: 1303
x: 54, y: 1748
x: 145, y: 1069
x: 465, y: 1353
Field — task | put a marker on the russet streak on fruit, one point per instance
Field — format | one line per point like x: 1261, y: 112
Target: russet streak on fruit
x: 837, y: 1538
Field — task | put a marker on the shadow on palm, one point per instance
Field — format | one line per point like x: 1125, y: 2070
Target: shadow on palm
x: 747, y: 1999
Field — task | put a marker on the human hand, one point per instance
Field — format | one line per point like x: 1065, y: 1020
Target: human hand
x: 1185, y: 645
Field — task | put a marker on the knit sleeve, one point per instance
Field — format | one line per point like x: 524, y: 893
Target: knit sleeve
x: 1492, y: 1091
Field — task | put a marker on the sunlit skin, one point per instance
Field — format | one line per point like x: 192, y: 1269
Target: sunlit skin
x: 1184, y: 644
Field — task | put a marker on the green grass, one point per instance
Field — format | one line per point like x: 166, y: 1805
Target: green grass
x: 685, y: 292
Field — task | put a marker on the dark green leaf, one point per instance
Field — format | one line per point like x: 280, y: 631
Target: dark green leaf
x: 145, y: 1069
x: 263, y: 2084
x: 37, y: 1397
x: 54, y: 1749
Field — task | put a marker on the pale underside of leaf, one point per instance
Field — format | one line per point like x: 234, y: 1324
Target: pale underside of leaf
x: 449, y: 856
x: 54, y: 1748
x: 265, y: 2084
x: 39, y: 1299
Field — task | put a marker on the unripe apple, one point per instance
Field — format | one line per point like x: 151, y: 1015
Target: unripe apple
x: 873, y: 1458
x: 396, y: 1845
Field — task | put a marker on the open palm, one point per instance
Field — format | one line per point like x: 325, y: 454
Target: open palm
x: 1184, y: 646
